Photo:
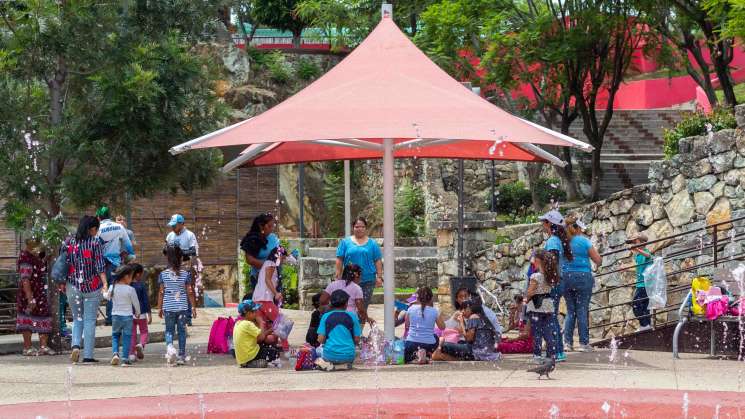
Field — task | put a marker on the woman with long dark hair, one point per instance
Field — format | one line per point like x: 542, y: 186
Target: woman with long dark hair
x: 558, y: 243
x: 258, y: 243
x: 85, y: 282
x: 364, y: 252
x: 32, y: 306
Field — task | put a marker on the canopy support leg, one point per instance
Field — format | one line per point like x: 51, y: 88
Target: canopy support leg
x: 388, y: 232
x: 347, y: 201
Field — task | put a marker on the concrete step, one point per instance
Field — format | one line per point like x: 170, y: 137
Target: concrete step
x: 399, y: 252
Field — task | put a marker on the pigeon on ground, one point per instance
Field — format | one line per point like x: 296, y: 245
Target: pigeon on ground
x: 544, y: 368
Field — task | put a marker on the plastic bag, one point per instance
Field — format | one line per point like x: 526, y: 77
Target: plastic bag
x: 655, y: 282
x: 282, y: 326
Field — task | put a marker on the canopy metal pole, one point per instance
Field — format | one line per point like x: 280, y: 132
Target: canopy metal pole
x: 347, y: 201
x: 301, y: 197
x: 388, y: 231
x: 460, y: 217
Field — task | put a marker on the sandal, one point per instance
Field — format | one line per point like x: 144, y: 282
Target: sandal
x: 29, y: 352
x: 45, y: 350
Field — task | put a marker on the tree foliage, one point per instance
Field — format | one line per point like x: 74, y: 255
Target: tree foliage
x: 280, y: 14
x: 92, y: 96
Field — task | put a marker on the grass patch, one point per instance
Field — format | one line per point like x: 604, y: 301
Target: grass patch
x: 739, y: 94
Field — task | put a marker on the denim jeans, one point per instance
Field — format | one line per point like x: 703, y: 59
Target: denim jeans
x: 62, y: 308
x: 110, y: 280
x: 176, y: 319
x: 542, y: 326
x: 641, y: 307
x: 121, y: 334
x: 577, y: 293
x: 556, y: 293
x: 84, y: 307
x: 367, y: 291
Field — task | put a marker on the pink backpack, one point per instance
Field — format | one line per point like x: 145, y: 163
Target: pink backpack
x: 717, y: 307
x: 220, y: 334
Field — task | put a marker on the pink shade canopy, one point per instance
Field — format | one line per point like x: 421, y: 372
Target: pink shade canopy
x: 386, y: 88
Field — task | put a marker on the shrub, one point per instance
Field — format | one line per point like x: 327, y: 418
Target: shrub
x: 695, y: 124
x: 502, y: 240
x: 513, y: 199
x: 256, y: 57
x: 307, y: 69
x: 279, y: 69
x: 409, y: 210
x: 549, y: 191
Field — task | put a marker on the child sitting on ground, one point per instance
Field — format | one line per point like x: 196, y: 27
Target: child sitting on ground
x: 339, y: 333
x: 311, y: 337
x: 251, y: 351
x: 144, y: 319
x: 523, y: 344
x: 123, y: 298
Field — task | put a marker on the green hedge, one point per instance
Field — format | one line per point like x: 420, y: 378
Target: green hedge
x: 695, y: 124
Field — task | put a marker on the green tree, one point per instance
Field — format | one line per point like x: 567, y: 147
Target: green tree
x: 280, y: 14
x: 694, y: 27
x: 92, y: 96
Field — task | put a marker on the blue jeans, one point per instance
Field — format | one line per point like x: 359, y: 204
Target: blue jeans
x: 110, y: 279
x: 84, y: 308
x: 641, y: 307
x: 542, y: 326
x: 556, y: 293
x: 367, y: 291
x: 121, y: 333
x: 577, y: 293
x: 176, y: 319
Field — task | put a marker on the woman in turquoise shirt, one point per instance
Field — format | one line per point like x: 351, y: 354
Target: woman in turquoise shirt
x: 363, y: 251
x: 578, y: 284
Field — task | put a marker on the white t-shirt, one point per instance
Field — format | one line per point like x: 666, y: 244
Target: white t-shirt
x: 262, y: 292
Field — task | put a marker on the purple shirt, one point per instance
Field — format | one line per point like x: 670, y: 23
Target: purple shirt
x: 354, y: 291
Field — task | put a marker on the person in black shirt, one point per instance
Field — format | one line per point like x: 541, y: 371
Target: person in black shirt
x: 315, y: 320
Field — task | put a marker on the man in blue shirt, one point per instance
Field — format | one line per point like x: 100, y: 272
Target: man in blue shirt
x: 116, y: 243
x: 339, y: 333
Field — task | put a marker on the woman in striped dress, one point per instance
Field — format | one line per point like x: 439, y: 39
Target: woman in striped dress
x: 176, y: 291
x: 86, y: 280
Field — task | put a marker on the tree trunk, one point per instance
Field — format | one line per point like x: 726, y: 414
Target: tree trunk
x: 534, y: 173
x: 721, y: 66
x: 690, y: 44
x: 412, y: 23
x: 296, y: 38
x: 595, y: 184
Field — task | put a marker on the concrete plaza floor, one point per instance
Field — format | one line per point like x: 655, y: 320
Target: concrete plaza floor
x: 54, y: 379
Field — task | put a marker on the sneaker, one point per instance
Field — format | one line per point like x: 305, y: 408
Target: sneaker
x: 30, y: 352
x: 324, y: 365
x: 180, y: 361
x: 132, y: 358
x: 126, y: 364
x: 256, y: 363
x: 561, y: 357
x: 171, y: 355
x: 90, y: 361
x: 585, y: 348
x: 75, y: 355
x: 568, y: 347
x: 140, y: 351
x: 644, y: 328
x: 45, y: 350
x: 115, y: 360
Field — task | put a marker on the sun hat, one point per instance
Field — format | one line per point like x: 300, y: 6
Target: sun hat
x: 176, y: 219
x: 553, y: 217
x: 582, y: 226
x: 248, y: 305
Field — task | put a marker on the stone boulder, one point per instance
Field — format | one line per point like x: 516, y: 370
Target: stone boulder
x: 721, y: 212
x: 236, y: 62
x: 703, y: 183
x: 680, y: 209
x: 704, y: 201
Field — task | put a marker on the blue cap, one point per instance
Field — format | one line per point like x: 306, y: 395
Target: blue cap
x: 176, y: 219
x: 248, y: 305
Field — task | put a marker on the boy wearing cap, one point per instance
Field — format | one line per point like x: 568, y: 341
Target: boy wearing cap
x: 642, y: 259
x: 116, y: 243
x: 339, y: 333
x: 248, y: 338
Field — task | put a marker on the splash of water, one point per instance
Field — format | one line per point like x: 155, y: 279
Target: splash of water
x: 554, y: 411
x: 685, y: 405
x: 605, y: 407
x: 613, y: 350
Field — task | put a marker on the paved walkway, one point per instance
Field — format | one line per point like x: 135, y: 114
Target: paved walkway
x: 622, y: 383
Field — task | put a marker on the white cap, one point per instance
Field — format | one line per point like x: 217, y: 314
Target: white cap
x: 553, y: 217
x: 582, y: 226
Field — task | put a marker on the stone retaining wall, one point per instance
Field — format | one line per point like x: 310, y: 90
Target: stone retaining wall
x: 703, y: 185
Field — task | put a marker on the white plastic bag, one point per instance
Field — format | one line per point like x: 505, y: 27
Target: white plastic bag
x: 655, y: 282
x: 282, y: 326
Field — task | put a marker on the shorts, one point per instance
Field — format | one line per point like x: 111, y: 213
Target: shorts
x: 462, y: 351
